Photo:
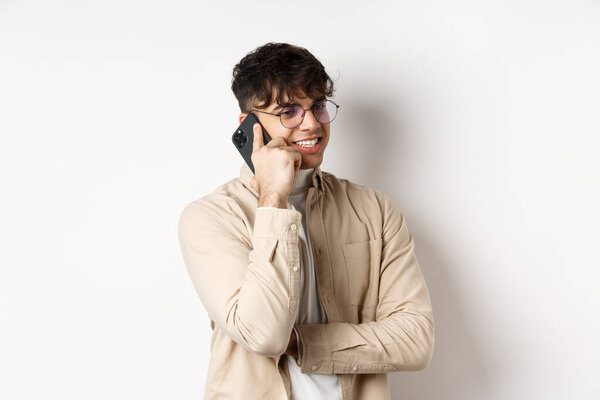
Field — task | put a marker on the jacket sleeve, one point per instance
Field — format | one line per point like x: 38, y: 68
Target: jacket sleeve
x: 249, y: 286
x: 402, y: 336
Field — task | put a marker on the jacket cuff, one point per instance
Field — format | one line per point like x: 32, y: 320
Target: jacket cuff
x: 280, y: 223
x: 276, y: 249
x: 314, y: 349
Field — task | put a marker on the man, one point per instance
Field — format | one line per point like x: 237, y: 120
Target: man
x: 310, y: 281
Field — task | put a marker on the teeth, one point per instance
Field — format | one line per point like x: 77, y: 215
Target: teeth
x: 307, y: 143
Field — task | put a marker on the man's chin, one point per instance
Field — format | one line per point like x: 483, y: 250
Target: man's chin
x: 312, y: 164
x: 311, y: 161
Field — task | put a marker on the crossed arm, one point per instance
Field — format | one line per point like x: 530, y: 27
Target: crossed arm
x: 246, y: 288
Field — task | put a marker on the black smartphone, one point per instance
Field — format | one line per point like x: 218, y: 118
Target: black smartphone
x: 243, y: 137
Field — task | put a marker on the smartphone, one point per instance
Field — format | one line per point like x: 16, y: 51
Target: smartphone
x: 243, y: 137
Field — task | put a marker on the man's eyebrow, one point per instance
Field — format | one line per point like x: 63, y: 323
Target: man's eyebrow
x: 288, y: 104
x: 283, y: 106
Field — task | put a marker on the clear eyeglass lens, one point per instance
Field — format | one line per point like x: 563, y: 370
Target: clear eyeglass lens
x: 324, y: 112
x: 291, y: 116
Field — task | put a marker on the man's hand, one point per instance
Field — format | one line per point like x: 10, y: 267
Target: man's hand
x: 292, y: 349
x: 275, y: 166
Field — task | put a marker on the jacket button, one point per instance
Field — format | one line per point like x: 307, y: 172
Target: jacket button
x: 314, y: 367
x: 295, y: 268
x: 293, y: 227
x: 355, y: 368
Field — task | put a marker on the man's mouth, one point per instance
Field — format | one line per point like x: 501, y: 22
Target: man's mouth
x: 307, y: 146
x: 307, y: 143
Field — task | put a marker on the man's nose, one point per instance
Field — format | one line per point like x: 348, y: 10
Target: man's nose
x: 309, y: 123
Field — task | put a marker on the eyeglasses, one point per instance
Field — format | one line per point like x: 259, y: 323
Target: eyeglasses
x: 292, y: 116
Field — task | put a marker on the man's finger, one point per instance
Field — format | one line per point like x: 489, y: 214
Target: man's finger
x: 277, y: 141
x: 257, y: 143
x: 297, y: 161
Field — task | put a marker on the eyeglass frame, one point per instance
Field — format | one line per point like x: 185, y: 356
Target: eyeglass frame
x: 303, y: 112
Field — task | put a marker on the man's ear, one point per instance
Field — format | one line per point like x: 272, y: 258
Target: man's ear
x: 242, y: 117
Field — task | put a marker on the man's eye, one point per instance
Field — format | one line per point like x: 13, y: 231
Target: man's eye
x: 289, y: 112
x: 319, y: 107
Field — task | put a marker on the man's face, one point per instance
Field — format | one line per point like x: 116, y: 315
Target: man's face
x: 310, y: 128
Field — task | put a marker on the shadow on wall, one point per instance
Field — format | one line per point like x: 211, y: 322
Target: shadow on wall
x: 457, y: 369
x: 376, y: 145
x: 363, y: 140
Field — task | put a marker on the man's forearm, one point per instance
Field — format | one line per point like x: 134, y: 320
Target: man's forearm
x: 403, y: 342
x: 256, y: 303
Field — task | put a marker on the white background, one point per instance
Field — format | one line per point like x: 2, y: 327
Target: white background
x: 479, y: 119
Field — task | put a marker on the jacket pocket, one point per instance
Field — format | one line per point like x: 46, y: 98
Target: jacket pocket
x: 362, y: 266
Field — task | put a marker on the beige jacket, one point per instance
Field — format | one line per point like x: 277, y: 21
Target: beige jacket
x: 244, y: 263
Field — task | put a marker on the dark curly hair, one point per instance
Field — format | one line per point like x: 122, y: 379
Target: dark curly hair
x: 278, y: 69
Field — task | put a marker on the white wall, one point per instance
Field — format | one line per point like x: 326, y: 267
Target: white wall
x: 480, y: 119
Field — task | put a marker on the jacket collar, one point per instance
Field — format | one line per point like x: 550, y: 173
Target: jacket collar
x: 246, y: 174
